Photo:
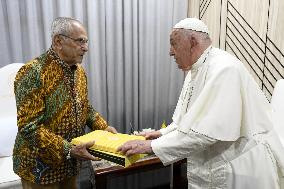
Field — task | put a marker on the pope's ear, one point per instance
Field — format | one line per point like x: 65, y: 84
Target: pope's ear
x: 193, y: 41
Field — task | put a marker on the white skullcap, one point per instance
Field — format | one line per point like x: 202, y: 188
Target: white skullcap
x: 192, y: 24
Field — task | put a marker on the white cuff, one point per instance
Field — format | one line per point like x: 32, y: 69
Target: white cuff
x: 168, y: 129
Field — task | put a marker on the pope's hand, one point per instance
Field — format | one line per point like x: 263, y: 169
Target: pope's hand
x: 136, y: 147
x: 80, y: 151
x: 150, y: 135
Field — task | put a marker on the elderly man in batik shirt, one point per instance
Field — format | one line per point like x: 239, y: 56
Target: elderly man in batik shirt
x: 221, y: 123
x: 52, y: 109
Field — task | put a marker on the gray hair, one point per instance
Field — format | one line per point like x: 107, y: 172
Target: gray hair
x: 62, y: 25
x: 200, y: 35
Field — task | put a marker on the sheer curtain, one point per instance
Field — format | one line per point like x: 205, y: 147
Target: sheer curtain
x: 132, y: 79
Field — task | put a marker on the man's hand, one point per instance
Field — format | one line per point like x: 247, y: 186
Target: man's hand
x: 80, y: 151
x: 136, y: 147
x: 111, y: 129
x: 150, y: 135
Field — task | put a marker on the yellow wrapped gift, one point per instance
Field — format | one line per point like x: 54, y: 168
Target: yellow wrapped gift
x: 106, y: 145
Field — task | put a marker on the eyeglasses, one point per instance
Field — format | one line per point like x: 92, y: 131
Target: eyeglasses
x: 80, y: 41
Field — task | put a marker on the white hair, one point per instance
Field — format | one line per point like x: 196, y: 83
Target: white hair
x: 62, y: 25
x: 200, y: 35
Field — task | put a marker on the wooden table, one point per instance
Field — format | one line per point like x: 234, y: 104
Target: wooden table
x: 179, y: 173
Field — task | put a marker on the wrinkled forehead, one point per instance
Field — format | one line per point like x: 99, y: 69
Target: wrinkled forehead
x: 176, y: 34
x: 77, y: 29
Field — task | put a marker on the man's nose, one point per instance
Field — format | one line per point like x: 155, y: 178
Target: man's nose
x: 171, y: 53
x: 85, y: 47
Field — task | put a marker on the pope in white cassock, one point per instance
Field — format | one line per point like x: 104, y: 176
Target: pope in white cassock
x: 222, y: 121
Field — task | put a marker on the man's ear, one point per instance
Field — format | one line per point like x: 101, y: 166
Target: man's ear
x: 57, y: 42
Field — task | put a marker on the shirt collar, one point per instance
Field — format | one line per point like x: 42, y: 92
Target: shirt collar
x: 201, y: 59
x: 56, y: 57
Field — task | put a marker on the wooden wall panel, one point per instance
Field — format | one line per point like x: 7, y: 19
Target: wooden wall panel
x: 210, y: 12
x: 274, y: 62
x: 255, y: 13
x: 245, y: 34
x: 251, y: 30
x: 193, y: 8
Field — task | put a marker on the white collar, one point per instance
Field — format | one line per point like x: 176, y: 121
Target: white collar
x: 201, y: 59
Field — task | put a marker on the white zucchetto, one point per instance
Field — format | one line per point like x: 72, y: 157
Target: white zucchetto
x: 192, y: 24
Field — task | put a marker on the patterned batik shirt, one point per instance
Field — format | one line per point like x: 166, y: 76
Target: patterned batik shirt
x: 52, y: 109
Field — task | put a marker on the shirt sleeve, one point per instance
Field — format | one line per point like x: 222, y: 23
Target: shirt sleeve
x: 168, y: 129
x: 31, y: 109
x: 94, y: 120
x: 177, y: 145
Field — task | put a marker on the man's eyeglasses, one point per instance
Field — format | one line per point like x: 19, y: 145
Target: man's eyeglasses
x: 80, y: 41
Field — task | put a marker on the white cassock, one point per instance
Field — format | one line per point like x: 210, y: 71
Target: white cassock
x: 222, y: 125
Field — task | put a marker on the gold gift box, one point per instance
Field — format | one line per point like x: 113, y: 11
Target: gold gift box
x: 106, y: 145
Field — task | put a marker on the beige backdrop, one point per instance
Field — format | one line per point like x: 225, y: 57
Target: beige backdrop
x: 251, y: 30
